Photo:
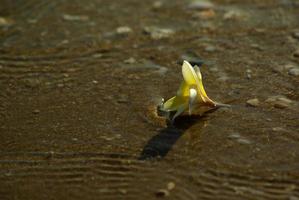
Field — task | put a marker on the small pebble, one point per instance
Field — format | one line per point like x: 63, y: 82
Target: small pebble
x: 248, y: 73
x: 157, y: 33
x: 170, y: 185
x: 223, y: 78
x: 123, y: 99
x: 284, y: 100
x: 157, y: 4
x: 210, y: 49
x: 289, y: 66
x: 281, y: 105
x: 33, y: 83
x: 296, y: 53
x: 162, y: 193
x: 234, y: 136
x: 130, y: 61
x: 4, y: 22
x: 205, y: 14
x: 233, y: 15
x: 201, y: 5
x: 293, y: 198
x: 243, y: 141
x: 214, y: 69
x: 32, y: 21
x: 123, y: 30
x: 281, y: 68
x: 239, y: 138
x: 97, y: 55
x: 257, y: 47
x: 296, y: 34
x: 294, y: 71
x: 253, y: 102
x: 224, y: 110
x: 162, y: 70
x: 278, y: 129
x: 279, y: 101
x: 123, y: 191
x: 60, y: 85
x: 36, y: 111
x: 75, y: 17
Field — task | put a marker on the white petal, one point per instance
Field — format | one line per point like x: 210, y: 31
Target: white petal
x: 192, y: 99
x: 189, y: 74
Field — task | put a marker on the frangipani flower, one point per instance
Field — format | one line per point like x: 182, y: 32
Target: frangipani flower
x: 190, y: 95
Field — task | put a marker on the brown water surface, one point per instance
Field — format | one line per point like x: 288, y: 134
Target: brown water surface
x: 78, y: 98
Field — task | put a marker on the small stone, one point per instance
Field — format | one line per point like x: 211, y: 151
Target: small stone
x: 248, y: 73
x: 224, y: 110
x: 257, y: 47
x: 282, y: 68
x: 296, y: 53
x: 279, y: 101
x: 289, y: 66
x: 5, y: 21
x: 278, y: 129
x: 162, y: 70
x: 239, y: 138
x: 97, y: 55
x: 31, y: 82
x: 123, y: 30
x: 130, y: 61
x: 95, y: 82
x: 284, y: 100
x: 123, y: 191
x: 213, y: 69
x: 66, y: 75
x: 296, y: 34
x: 210, y: 48
x: 293, y: 198
x: 123, y: 99
x: 294, y: 71
x: 60, y: 85
x: 170, y: 185
x: 75, y: 17
x: 234, y: 136
x: 201, y: 5
x: 233, y: 15
x: 205, y: 14
x: 243, y: 141
x: 36, y: 111
x: 223, y: 78
x: 281, y: 105
x: 157, y: 33
x: 157, y: 4
x: 162, y: 193
x: 32, y: 21
x: 253, y: 102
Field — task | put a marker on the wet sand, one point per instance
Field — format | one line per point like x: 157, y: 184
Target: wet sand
x: 80, y: 82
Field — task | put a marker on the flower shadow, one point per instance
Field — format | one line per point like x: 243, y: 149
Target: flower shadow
x: 159, y: 145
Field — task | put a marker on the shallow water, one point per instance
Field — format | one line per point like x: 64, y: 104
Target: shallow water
x: 78, y: 116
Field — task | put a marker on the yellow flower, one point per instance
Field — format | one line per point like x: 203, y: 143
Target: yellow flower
x: 190, y: 95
